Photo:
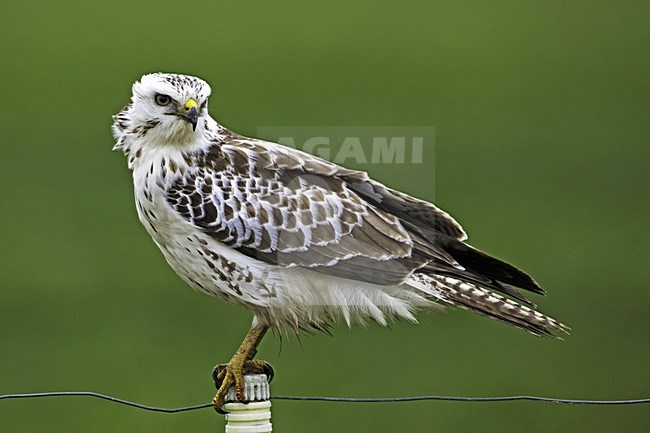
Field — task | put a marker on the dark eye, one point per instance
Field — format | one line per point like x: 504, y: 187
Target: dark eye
x: 163, y: 99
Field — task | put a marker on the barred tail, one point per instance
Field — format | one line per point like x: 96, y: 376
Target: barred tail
x: 474, y: 298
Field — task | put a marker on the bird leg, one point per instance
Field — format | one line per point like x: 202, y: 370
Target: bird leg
x: 242, y: 362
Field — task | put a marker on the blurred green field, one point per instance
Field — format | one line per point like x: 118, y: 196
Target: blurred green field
x: 541, y: 114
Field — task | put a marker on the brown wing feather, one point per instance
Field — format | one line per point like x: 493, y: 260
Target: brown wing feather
x: 289, y: 208
x: 284, y: 211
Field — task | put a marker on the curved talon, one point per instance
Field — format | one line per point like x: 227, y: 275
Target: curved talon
x: 219, y: 410
x: 227, y: 375
x: 218, y: 373
x: 269, y: 371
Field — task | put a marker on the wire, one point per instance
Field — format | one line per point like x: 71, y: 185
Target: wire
x: 105, y: 397
x: 465, y: 399
x: 329, y: 399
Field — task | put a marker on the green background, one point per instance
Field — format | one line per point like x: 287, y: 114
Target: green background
x: 542, y: 153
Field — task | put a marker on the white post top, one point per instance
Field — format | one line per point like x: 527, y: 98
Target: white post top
x: 253, y: 417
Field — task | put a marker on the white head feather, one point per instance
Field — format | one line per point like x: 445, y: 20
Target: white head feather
x: 148, y: 123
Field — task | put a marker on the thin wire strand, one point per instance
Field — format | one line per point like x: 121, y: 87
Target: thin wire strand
x: 465, y: 399
x: 105, y: 397
x: 329, y: 399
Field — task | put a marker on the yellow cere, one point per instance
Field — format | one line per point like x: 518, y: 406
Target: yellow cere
x: 191, y: 103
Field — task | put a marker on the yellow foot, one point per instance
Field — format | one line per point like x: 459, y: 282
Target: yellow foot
x: 227, y: 375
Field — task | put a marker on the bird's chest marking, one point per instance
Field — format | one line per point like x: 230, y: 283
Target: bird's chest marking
x: 227, y: 271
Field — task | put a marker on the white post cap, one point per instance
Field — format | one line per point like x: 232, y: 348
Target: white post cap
x: 252, y: 417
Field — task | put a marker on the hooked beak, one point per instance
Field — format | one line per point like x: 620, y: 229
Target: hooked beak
x: 191, y: 112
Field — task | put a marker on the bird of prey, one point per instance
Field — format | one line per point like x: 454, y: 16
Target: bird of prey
x: 299, y: 241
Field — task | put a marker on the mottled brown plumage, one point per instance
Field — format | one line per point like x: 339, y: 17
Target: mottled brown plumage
x: 295, y: 238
